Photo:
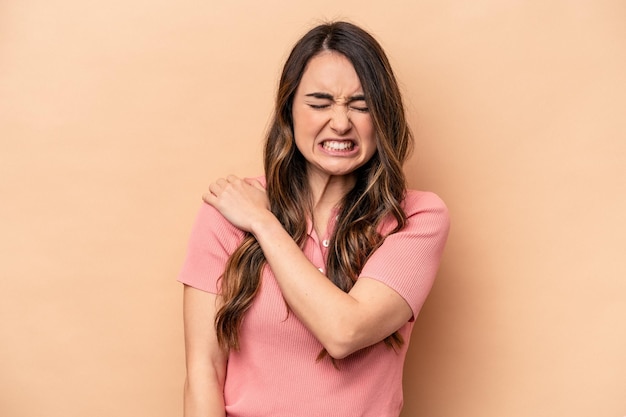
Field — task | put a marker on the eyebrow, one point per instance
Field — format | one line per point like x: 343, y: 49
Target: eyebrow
x: 326, y: 96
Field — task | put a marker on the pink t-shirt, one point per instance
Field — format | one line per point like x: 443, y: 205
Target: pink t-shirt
x: 275, y: 373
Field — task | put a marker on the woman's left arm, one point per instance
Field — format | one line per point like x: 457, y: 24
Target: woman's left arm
x: 342, y: 322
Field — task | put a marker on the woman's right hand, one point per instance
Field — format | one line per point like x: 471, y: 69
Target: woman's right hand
x: 243, y: 202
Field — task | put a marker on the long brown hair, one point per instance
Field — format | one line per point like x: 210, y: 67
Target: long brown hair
x: 377, y: 195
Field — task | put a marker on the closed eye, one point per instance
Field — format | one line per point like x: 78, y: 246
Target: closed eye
x: 361, y: 109
x: 358, y: 103
x: 319, y: 106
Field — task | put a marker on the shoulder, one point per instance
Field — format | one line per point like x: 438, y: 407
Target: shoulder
x: 416, y: 201
x: 426, y: 209
x: 211, y: 227
x: 211, y: 223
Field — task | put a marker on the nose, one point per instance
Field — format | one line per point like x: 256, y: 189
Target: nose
x: 340, y: 120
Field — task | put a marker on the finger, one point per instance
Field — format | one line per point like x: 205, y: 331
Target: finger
x: 232, y: 178
x: 211, y: 196
x: 216, y: 188
x: 255, y: 183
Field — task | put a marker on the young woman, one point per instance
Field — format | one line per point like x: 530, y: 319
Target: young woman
x: 301, y: 286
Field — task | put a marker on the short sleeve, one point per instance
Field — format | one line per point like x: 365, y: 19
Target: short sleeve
x: 408, y: 260
x: 213, y: 239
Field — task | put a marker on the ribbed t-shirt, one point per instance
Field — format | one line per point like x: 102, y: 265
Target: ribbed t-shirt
x: 275, y: 372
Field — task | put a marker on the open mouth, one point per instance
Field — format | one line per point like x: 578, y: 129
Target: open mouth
x: 338, y: 145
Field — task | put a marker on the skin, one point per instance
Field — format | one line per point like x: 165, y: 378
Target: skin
x: 326, y: 110
x: 329, y: 108
x: 206, y: 362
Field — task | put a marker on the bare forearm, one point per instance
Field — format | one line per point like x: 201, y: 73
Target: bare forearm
x: 324, y: 309
x: 205, y: 361
x: 203, y: 399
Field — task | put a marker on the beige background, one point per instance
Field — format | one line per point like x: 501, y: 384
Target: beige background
x: 114, y: 117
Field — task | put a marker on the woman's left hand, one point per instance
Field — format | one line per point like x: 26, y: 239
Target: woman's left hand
x: 243, y: 202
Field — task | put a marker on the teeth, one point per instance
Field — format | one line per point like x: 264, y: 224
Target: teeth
x: 334, y: 145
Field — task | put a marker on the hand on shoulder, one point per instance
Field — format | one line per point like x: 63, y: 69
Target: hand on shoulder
x: 242, y: 201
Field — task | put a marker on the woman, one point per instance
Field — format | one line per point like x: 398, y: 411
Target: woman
x: 301, y: 287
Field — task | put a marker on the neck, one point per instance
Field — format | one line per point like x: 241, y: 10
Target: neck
x: 327, y: 191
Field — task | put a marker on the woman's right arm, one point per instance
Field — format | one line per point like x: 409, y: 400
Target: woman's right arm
x: 206, y: 362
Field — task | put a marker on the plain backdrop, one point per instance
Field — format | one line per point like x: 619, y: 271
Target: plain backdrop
x: 115, y: 116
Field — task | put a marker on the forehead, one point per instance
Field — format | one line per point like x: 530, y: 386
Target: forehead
x: 330, y: 72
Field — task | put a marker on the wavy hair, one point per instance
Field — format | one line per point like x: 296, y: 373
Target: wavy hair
x: 379, y: 190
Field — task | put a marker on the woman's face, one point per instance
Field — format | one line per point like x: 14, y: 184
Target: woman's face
x: 333, y: 128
